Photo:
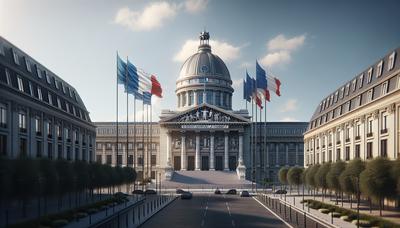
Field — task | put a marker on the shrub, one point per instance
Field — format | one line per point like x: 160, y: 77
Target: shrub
x: 335, y: 214
x: 362, y: 223
x: 60, y: 223
x: 324, y: 210
x: 344, y: 218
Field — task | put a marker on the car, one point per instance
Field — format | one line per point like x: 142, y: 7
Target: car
x: 231, y: 192
x: 280, y: 191
x: 244, y: 194
x: 217, y: 191
x: 186, y: 195
x: 138, y: 192
x: 180, y: 191
x: 150, y: 192
x: 120, y: 194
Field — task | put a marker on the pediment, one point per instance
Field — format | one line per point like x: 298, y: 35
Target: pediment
x: 205, y: 113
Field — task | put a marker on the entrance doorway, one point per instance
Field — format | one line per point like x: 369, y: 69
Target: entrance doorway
x: 218, y: 163
x: 205, y: 163
x: 232, y: 163
x: 190, y: 163
x: 177, y: 163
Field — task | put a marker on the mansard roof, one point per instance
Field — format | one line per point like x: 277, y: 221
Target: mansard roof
x: 359, y: 85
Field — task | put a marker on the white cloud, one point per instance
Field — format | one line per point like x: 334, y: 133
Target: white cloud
x: 280, y: 50
x: 245, y: 65
x: 224, y: 50
x: 237, y: 83
x: 289, y: 119
x: 194, y: 6
x: 152, y: 16
x: 290, y: 105
x: 280, y: 42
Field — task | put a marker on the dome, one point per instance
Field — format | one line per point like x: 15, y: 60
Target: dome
x: 204, y: 78
x: 204, y: 63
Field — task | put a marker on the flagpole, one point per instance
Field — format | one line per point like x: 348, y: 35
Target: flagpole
x: 147, y: 141
x: 127, y: 117
x: 255, y: 150
x: 252, y: 143
x: 151, y: 139
x: 143, y: 146
x: 116, y: 151
x: 266, y: 159
x: 134, y: 138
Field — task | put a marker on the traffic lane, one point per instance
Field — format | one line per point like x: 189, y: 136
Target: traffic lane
x: 180, y: 213
x: 246, y: 212
x: 217, y: 213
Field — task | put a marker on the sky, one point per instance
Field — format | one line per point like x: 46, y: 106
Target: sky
x: 313, y: 47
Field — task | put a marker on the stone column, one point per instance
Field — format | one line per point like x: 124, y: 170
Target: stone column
x: 277, y: 155
x: 103, y: 154
x: 183, y: 152
x: 169, y: 149
x: 195, y: 97
x: 124, y: 152
x: 287, y: 155
x: 226, y: 155
x: 114, y: 155
x: 297, y: 153
x: 197, y: 156
x: 212, y: 154
x: 240, y: 160
x: 187, y: 98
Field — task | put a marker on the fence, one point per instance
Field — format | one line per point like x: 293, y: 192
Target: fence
x: 292, y: 215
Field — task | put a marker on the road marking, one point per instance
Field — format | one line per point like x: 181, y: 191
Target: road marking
x: 273, y: 213
x: 229, y: 211
x: 205, y: 211
x: 202, y: 222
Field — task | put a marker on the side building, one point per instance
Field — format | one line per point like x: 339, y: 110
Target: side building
x: 360, y: 119
x: 40, y: 114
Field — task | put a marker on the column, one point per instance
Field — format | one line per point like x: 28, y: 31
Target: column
x: 124, y: 152
x: 297, y: 153
x: 169, y: 149
x: 197, y: 156
x: 226, y: 156
x: 195, y: 97
x: 240, y: 149
x: 212, y: 154
x: 113, y: 155
x: 187, y: 98
x: 183, y: 152
x: 277, y: 155
x: 287, y: 155
x: 103, y: 154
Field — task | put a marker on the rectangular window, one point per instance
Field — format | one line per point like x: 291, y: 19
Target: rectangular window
x: 360, y: 80
x: 20, y: 84
x: 347, y: 155
x: 384, y: 123
x: 48, y: 78
x: 31, y: 89
x: 338, y: 155
x: 28, y: 65
x: 40, y: 95
x: 38, y: 125
x: 354, y: 84
x: 369, y: 150
x: 370, y: 71
x: 130, y: 160
x: 347, y: 89
x: 392, y: 58
x: 3, y: 145
x: 8, y: 77
x: 385, y: 87
x: 3, y: 116
x: 109, y: 159
x: 357, y: 151
x: 39, y: 149
x: 49, y: 129
x: 2, y: 52
x: 384, y: 148
x: 38, y: 71
x: 22, y: 121
x: 379, y: 69
x: 50, y: 98
x: 358, y: 130
x: 153, y: 159
x: 370, y: 95
x: 16, y: 58
x: 58, y: 103
x: 370, y: 126
x: 98, y: 159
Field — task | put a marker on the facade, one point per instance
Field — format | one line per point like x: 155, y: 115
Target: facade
x: 40, y: 114
x: 360, y: 119
x: 204, y: 133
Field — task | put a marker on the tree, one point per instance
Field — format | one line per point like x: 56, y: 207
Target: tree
x: 332, y: 177
x: 396, y: 174
x: 349, y: 178
x: 376, y: 180
x: 283, y: 175
x: 320, y: 177
x: 295, y: 176
x: 310, y: 180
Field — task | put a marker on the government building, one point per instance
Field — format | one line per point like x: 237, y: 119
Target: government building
x: 203, y: 133
x: 360, y: 119
x: 41, y: 115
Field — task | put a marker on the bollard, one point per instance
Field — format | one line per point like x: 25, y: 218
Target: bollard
x: 331, y: 217
x: 133, y: 215
x: 90, y: 218
x: 290, y: 213
x: 305, y: 220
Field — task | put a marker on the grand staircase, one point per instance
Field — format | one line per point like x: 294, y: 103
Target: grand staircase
x: 206, y: 180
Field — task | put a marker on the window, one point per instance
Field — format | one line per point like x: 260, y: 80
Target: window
x: 130, y: 160
x: 370, y: 95
x: 3, y: 116
x: 20, y: 84
x: 359, y: 100
x: 3, y: 144
x: 28, y: 65
x: 370, y: 126
x: 392, y: 58
x: 22, y: 121
x: 385, y: 87
x: 199, y: 97
x: 370, y: 75
x: 357, y: 151
x: 38, y: 149
x: 337, y: 154
x: 384, y: 122
x: 384, y: 148
x: 38, y: 71
x: 2, y: 48
x: 38, y: 125
x: 354, y: 84
x: 58, y: 103
x: 358, y: 130
x: 48, y: 78
x: 63, y: 87
x: 183, y: 99
x: 217, y: 98
x: 109, y: 159
x: 31, y: 89
x: 347, y: 89
x: 39, y: 91
x: 347, y: 155
x: 50, y: 98
x: 379, y: 69
x: 153, y: 159
x: 49, y: 128
x: 360, y: 80
x: 336, y: 96
x: 191, y: 98
x: 16, y: 58
x: 57, y: 84
x: 348, y: 106
x: 8, y: 78
x: 369, y: 150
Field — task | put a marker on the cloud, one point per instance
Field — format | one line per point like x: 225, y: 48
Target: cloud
x: 237, y: 83
x: 194, y: 6
x: 290, y: 105
x: 280, y: 50
x: 152, y: 16
x: 245, y: 65
x: 289, y: 119
x: 224, y: 50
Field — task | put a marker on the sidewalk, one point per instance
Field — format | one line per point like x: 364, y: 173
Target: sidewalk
x: 390, y: 215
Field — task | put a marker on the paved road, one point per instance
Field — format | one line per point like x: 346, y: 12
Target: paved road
x: 209, y: 210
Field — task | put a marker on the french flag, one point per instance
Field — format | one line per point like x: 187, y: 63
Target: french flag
x: 146, y: 83
x: 274, y: 84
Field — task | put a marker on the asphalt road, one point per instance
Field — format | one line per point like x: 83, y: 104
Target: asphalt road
x: 209, y: 210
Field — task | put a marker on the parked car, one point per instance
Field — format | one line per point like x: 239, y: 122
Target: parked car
x: 217, y: 191
x: 180, y: 191
x: 138, y: 191
x: 231, y: 192
x: 150, y: 192
x: 281, y: 191
x: 120, y: 194
x: 186, y: 195
x: 244, y: 194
